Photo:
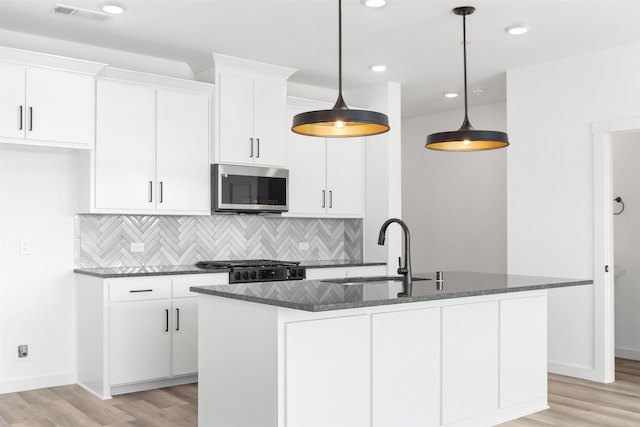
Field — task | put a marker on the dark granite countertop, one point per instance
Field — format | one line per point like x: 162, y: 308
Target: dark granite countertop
x: 192, y: 269
x: 317, y: 295
x: 146, y: 271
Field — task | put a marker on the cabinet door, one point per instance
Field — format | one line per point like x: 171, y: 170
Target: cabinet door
x: 269, y: 122
x: 236, y: 119
x: 523, y: 350
x: 344, y: 176
x: 139, y: 341
x: 328, y: 372
x: 307, y: 177
x: 125, y: 146
x: 59, y: 106
x: 182, y: 143
x: 185, y: 336
x: 12, y: 102
x: 470, y: 348
x: 406, y: 363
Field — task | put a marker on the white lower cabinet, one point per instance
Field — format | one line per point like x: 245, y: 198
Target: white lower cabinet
x: 185, y: 333
x: 463, y: 362
x: 327, y: 373
x: 138, y: 333
x: 470, y: 349
x: 406, y: 368
x: 139, y: 341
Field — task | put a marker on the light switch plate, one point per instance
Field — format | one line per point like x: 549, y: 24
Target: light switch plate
x: 137, y: 247
x: 303, y: 246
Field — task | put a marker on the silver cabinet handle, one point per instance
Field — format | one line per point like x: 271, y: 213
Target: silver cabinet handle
x: 161, y: 198
x: 177, y: 319
x: 324, y: 198
x: 251, y: 142
x: 20, y: 118
x: 166, y: 324
x: 258, y: 146
x: 150, y: 191
x: 30, y: 119
x: 330, y: 199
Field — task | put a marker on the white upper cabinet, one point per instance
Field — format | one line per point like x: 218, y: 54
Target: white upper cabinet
x: 125, y: 146
x: 46, y: 105
x: 152, y: 151
x: 325, y: 175
x: 182, y: 141
x: 250, y: 112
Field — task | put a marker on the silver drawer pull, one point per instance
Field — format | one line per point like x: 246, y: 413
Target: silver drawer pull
x: 140, y: 290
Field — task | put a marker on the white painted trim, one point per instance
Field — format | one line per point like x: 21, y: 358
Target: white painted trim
x: 582, y: 372
x: 628, y: 353
x: 604, y: 309
x: 33, y: 383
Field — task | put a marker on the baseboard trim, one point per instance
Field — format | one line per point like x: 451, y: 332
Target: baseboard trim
x: 628, y: 353
x: 33, y: 383
x: 149, y: 385
x: 582, y: 372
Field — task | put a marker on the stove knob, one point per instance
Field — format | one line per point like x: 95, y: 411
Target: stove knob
x: 245, y: 275
x: 294, y: 272
x: 301, y: 273
x: 238, y: 275
x: 254, y: 275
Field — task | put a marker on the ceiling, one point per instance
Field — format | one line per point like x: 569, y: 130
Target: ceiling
x: 418, y: 40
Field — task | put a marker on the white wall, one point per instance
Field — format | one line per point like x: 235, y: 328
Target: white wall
x: 550, y: 109
x: 626, y: 184
x: 37, y: 291
x: 455, y: 203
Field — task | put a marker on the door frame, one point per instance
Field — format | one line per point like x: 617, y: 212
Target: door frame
x: 603, y: 249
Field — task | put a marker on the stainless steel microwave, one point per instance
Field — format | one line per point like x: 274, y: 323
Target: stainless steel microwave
x: 255, y: 189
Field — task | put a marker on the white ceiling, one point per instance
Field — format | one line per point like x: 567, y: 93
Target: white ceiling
x: 419, y: 40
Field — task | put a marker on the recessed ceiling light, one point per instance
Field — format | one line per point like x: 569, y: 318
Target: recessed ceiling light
x: 378, y: 68
x: 517, y: 30
x: 374, y: 3
x: 451, y: 95
x: 113, y: 8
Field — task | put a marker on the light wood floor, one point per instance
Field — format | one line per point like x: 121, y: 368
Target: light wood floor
x: 572, y: 403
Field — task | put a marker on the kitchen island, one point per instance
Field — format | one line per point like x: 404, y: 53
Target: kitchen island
x: 466, y: 351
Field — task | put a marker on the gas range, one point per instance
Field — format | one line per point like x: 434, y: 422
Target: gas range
x: 257, y: 270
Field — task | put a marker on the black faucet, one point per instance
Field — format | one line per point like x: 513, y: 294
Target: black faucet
x: 407, y: 281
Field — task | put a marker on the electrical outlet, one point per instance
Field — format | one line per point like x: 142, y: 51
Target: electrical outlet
x: 23, y: 351
x: 25, y: 247
x: 303, y: 246
x: 137, y: 247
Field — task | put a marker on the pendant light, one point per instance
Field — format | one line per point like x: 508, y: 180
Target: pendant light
x: 340, y: 121
x: 466, y: 138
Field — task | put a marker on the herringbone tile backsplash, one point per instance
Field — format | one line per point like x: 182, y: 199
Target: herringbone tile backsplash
x: 105, y: 240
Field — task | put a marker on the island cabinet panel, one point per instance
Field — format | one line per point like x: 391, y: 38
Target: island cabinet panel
x: 406, y: 368
x: 470, y: 350
x: 327, y: 372
x: 523, y: 350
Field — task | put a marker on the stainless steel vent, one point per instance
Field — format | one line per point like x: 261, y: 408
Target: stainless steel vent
x: 90, y: 15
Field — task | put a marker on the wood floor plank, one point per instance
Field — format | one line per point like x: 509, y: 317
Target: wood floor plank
x: 573, y: 403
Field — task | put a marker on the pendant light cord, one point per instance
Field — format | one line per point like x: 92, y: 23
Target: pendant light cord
x: 340, y: 47
x: 464, y: 50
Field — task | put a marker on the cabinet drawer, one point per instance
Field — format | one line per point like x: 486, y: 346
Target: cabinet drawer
x: 139, y: 288
x: 182, y: 284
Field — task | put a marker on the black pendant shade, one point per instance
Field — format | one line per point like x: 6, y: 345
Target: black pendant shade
x: 466, y: 138
x: 340, y: 121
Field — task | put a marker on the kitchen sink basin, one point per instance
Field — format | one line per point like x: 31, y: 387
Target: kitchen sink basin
x: 354, y: 280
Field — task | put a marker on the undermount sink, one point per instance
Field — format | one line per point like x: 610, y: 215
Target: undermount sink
x: 371, y: 279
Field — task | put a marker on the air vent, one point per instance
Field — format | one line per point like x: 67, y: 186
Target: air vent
x: 86, y: 14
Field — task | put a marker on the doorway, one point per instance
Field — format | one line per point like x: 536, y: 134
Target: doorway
x: 604, y: 136
x: 626, y: 232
